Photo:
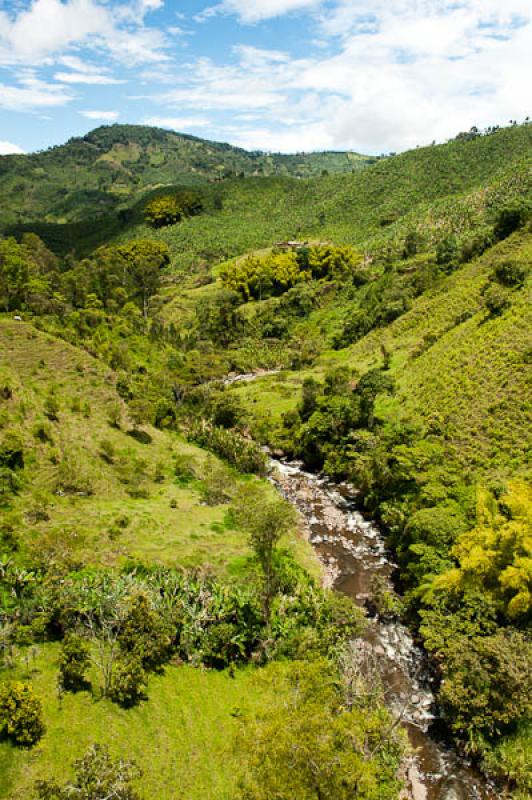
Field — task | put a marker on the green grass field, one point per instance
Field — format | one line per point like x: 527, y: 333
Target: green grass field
x: 182, y: 736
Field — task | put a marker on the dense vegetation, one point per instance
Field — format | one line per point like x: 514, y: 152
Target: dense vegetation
x: 147, y: 566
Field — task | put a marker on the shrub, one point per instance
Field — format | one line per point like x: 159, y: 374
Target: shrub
x: 114, y: 415
x: 448, y: 253
x: 73, y: 663
x: 221, y: 645
x: 128, y: 683
x: 163, y: 211
x: 12, y: 451
x: 487, y: 682
x: 20, y: 713
x: 51, y: 407
x: 234, y: 448
x: 169, y: 209
x: 74, y: 475
x: 144, y: 636
x: 474, y: 245
x: 309, y: 745
x: 98, y: 777
x: 218, y: 484
x: 510, y: 273
x: 43, y: 432
x: 510, y: 218
x: 184, y: 468
x: 107, y: 451
x: 496, y: 300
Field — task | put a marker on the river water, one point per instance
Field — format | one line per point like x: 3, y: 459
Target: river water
x: 353, y: 553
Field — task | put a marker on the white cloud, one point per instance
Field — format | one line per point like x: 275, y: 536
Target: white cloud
x: 401, y: 73
x: 253, y: 11
x: 104, y: 116
x: 8, y: 148
x: 206, y: 86
x: 177, y: 123
x: 93, y: 79
x: 82, y: 72
x: 33, y: 94
x: 50, y: 27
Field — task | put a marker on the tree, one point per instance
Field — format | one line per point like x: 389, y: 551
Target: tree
x: 370, y: 385
x: 218, y: 318
x: 171, y: 208
x: 448, y: 253
x: 511, y: 273
x: 496, y: 299
x: 309, y: 398
x: 14, y: 274
x: 163, y: 211
x: 20, y: 713
x: 487, y: 682
x: 308, y: 744
x: 98, y: 777
x: 104, y: 604
x: 510, y: 218
x: 495, y: 557
x: 143, y: 261
x: 143, y: 634
x: 128, y: 683
x: 265, y: 522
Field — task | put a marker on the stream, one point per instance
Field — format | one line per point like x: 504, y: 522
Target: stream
x: 354, y: 556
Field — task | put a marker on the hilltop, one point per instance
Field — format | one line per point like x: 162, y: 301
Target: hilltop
x: 105, y: 169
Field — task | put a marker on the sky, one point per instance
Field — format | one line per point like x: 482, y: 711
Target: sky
x: 372, y: 76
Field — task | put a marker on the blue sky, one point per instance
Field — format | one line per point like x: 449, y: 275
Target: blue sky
x: 282, y: 75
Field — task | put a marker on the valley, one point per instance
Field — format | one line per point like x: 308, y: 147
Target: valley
x: 265, y: 435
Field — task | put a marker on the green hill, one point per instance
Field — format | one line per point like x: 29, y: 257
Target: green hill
x: 429, y: 191
x: 454, y: 364
x: 95, y: 487
x: 105, y: 169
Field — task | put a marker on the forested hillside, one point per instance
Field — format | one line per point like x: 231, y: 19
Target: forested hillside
x: 158, y: 597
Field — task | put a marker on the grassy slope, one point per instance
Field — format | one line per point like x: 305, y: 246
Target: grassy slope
x: 88, y: 526
x: 182, y: 736
x: 474, y: 374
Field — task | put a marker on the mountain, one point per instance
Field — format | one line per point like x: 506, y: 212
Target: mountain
x: 112, y: 164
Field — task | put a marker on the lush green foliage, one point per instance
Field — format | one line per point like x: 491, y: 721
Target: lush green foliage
x: 404, y: 372
x: 495, y: 557
x: 265, y: 523
x: 20, y: 713
x: 73, y: 663
x: 260, y: 277
x: 165, y: 210
x: 312, y: 745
